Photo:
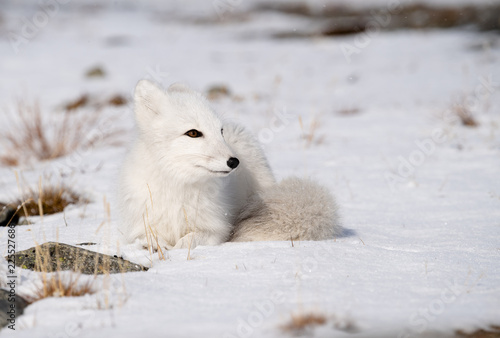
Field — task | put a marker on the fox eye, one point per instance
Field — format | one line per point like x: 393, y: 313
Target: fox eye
x: 193, y: 133
x: 222, y: 131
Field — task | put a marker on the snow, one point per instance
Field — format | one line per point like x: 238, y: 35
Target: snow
x: 419, y: 192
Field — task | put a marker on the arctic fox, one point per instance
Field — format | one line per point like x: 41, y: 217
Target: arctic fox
x: 191, y: 179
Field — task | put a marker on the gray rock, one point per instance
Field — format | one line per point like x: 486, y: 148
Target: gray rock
x: 8, y: 215
x: 52, y: 256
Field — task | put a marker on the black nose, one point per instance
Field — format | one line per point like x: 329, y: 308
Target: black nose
x: 233, y: 162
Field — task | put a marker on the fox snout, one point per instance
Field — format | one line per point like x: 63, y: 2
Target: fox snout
x: 233, y: 162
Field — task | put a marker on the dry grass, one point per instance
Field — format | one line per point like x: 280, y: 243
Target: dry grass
x: 303, y: 321
x: 96, y: 71
x: 349, y: 111
x: 80, y: 102
x: 152, y: 233
x: 47, y: 199
x: 492, y: 332
x: 189, y: 231
x: 55, y: 283
x: 63, y: 285
x: 36, y: 136
x: 117, y: 100
x: 216, y: 92
x: 310, y: 135
x: 86, y: 100
x: 464, y: 114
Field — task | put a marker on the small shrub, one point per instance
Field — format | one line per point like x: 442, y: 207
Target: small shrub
x: 48, y: 199
x: 216, y: 92
x: 44, y: 200
x: 62, y: 285
x: 56, y: 283
x: 117, y: 100
x: 349, y: 111
x: 465, y: 115
x: 491, y: 332
x: 80, y: 102
x: 302, y: 321
x: 311, y: 136
x: 36, y: 136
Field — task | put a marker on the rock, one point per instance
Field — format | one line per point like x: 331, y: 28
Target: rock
x: 8, y: 215
x: 52, y: 256
x: 5, y: 306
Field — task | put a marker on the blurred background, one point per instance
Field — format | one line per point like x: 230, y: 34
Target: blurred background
x: 251, y: 47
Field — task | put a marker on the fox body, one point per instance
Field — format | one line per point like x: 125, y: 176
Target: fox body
x: 190, y: 179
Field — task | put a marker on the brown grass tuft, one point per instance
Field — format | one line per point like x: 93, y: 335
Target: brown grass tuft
x: 39, y: 137
x: 349, y: 111
x: 55, y: 283
x: 492, y: 332
x: 310, y: 136
x: 216, y: 92
x: 117, y: 100
x: 303, y: 321
x: 48, y: 199
x: 464, y: 114
x: 62, y: 285
x: 80, y: 102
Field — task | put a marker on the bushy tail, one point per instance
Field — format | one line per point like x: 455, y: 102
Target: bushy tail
x: 294, y: 209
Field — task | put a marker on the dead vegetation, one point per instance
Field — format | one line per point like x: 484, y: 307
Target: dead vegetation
x: 50, y: 261
x: 95, y: 72
x: 62, y: 285
x: 117, y: 100
x: 48, y: 199
x: 45, y: 199
x: 55, y: 283
x: 35, y: 136
x: 216, y: 92
x: 152, y: 237
x: 348, y: 111
x: 88, y: 101
x: 491, y: 332
x: 303, y: 322
x: 310, y: 134
x: 336, y: 20
x: 464, y: 114
x: 80, y: 102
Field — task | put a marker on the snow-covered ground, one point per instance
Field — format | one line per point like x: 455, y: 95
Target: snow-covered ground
x: 419, y: 191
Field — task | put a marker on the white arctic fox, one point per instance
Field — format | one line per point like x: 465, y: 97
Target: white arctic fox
x: 191, y: 179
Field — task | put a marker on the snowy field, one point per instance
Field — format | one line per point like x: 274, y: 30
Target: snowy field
x: 418, y: 191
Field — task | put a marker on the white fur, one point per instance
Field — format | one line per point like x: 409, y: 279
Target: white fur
x: 178, y: 190
x: 295, y: 209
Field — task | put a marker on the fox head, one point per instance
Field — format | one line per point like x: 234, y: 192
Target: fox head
x: 182, y: 131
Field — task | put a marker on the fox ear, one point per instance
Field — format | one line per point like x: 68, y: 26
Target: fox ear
x: 148, y: 99
x: 179, y: 87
